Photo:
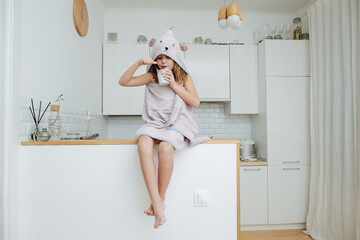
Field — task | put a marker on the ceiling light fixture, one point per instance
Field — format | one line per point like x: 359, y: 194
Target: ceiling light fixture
x: 230, y: 15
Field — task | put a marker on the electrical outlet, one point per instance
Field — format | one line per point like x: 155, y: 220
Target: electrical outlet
x: 202, y: 198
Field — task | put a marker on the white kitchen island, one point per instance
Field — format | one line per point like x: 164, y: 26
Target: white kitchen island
x: 95, y: 190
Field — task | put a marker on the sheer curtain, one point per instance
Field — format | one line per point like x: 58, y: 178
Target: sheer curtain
x: 334, y: 207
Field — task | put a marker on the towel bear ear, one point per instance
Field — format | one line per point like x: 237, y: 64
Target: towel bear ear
x: 183, y: 47
x: 151, y: 42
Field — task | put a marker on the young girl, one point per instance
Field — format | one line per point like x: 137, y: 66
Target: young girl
x: 167, y: 115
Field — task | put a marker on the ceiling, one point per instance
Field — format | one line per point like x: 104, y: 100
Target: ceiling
x: 286, y: 6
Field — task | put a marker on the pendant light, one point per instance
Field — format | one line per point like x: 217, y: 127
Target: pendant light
x: 238, y: 24
x: 230, y: 15
x: 222, y: 18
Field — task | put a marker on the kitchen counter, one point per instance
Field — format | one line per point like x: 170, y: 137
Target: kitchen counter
x: 93, y: 187
x: 134, y: 142
x: 115, y: 142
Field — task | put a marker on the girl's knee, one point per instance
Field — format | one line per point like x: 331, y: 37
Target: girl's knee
x: 145, y: 145
x: 166, y: 150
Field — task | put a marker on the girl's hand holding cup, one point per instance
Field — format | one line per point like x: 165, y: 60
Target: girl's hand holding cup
x: 169, y: 76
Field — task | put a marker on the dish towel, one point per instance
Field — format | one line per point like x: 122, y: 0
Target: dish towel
x: 168, y: 118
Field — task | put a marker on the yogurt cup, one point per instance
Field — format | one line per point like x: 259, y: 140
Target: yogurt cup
x: 160, y: 75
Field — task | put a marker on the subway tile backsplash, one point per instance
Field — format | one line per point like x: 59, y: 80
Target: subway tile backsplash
x: 210, y: 117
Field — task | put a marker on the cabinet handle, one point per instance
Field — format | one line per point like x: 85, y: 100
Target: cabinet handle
x: 291, y: 162
x: 291, y: 168
x: 252, y: 169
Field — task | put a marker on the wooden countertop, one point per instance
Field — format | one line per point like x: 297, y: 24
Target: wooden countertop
x: 254, y: 163
x: 116, y: 142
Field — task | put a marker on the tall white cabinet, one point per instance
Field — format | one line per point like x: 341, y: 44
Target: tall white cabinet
x: 281, y: 130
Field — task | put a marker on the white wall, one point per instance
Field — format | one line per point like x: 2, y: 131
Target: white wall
x: 51, y: 58
x: 2, y: 79
x: 130, y: 23
x: 54, y: 59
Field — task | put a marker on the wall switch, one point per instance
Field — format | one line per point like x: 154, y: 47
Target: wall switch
x: 202, y: 198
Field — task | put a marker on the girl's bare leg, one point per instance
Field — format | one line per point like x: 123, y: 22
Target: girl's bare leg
x: 166, y: 165
x: 145, y: 149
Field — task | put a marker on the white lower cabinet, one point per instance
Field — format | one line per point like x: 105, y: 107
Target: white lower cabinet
x: 288, y: 193
x: 253, y: 195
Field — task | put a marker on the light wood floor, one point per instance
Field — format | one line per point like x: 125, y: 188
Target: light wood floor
x: 274, y: 235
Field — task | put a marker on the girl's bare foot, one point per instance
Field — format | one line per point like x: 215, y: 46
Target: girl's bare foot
x: 160, y: 218
x: 150, y: 210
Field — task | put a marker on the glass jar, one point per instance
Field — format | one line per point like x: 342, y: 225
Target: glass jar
x: 35, y: 134
x: 297, y: 26
x: 44, y: 135
x: 55, y: 123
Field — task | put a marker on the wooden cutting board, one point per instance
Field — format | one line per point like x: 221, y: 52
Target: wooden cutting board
x: 81, y: 17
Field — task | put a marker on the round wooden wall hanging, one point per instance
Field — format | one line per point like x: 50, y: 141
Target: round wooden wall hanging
x: 81, y: 17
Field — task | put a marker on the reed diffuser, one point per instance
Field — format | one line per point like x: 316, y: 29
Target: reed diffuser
x: 37, y: 119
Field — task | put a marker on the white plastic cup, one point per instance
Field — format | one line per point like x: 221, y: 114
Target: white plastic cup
x: 160, y: 75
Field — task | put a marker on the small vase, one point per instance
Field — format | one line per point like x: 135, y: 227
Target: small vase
x: 35, y: 134
x: 44, y: 135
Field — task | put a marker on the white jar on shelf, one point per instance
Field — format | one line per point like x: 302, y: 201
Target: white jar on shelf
x: 55, y: 123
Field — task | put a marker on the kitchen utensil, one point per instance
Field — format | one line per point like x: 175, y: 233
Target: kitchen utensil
x: 247, y: 148
x: 93, y: 136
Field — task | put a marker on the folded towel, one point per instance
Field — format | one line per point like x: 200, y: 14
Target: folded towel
x: 168, y: 118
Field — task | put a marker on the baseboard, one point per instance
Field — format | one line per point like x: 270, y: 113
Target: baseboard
x: 272, y: 227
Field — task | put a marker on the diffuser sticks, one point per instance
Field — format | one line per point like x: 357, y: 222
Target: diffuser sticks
x: 36, y: 119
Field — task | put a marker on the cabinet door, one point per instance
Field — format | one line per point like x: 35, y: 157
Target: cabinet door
x: 253, y: 195
x: 119, y: 100
x: 244, y: 80
x: 209, y: 69
x: 288, y: 188
x: 287, y: 58
x: 288, y: 120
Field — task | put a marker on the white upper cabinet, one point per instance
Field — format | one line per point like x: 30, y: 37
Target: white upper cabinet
x: 287, y: 58
x: 209, y: 69
x: 213, y: 68
x: 244, y: 80
x: 119, y: 100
